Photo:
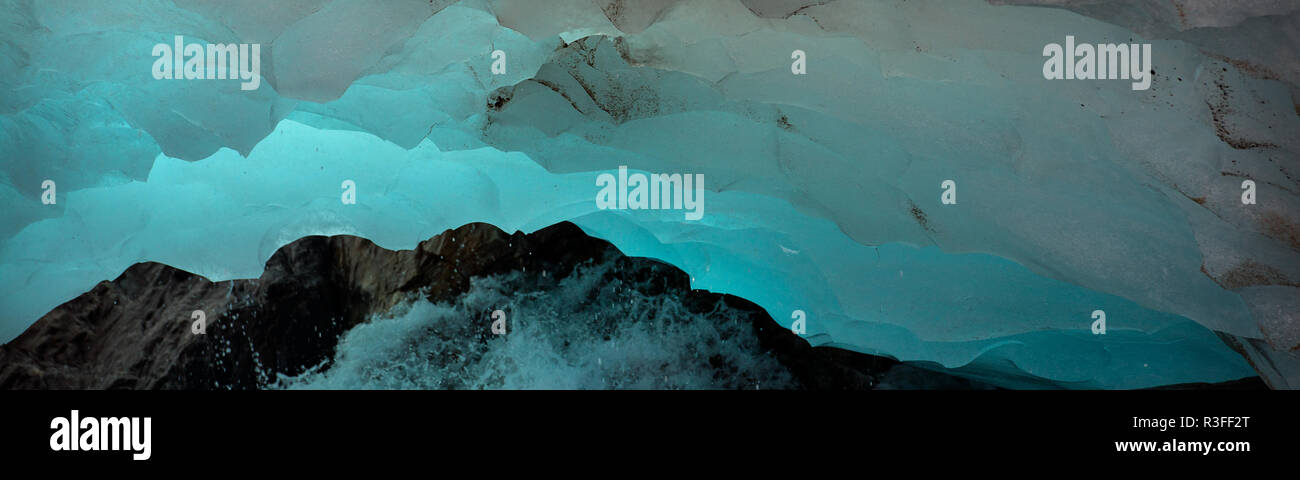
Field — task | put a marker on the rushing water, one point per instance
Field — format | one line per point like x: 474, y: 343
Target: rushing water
x: 582, y: 332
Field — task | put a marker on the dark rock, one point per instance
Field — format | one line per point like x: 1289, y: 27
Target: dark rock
x: 134, y: 332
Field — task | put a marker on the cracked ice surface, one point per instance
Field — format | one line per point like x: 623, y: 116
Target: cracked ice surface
x: 823, y: 188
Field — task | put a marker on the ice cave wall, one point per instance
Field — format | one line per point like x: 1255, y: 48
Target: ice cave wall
x: 823, y: 189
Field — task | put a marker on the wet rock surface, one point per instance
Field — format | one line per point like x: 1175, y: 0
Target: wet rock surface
x: 134, y: 332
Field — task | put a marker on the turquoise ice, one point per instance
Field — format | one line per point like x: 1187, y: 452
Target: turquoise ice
x: 823, y: 190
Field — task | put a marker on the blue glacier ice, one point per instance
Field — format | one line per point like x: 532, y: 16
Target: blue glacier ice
x: 823, y: 190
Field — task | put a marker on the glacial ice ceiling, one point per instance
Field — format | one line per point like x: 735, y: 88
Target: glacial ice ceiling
x: 822, y: 190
